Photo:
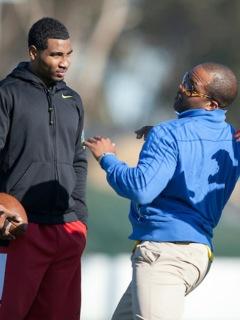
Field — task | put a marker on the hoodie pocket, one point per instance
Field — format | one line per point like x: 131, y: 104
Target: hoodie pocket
x: 35, y: 186
x: 34, y: 174
x: 42, y: 188
x: 16, y: 176
x: 67, y: 183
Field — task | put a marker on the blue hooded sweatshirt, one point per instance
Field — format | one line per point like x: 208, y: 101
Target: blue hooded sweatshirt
x: 186, y: 172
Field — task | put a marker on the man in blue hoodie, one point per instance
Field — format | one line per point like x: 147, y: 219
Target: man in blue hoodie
x: 186, y: 172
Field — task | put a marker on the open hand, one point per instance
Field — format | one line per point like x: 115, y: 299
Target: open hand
x: 99, y: 145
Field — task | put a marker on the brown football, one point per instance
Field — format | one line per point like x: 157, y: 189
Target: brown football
x: 13, y: 205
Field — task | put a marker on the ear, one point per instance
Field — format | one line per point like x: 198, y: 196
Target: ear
x: 33, y: 53
x: 211, y: 105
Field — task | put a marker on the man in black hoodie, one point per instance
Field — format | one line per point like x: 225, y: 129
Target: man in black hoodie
x: 43, y: 164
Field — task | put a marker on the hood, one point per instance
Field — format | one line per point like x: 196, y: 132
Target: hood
x: 23, y: 72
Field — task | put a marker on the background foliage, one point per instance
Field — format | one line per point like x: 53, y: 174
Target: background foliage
x: 129, y: 56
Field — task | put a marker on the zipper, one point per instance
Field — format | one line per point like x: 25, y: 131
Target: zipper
x: 53, y: 133
x: 50, y: 107
x: 140, y: 216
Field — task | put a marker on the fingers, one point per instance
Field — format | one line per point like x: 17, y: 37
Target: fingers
x: 139, y: 133
x: 92, y: 140
x: 6, y: 219
x: 99, y: 145
x: 139, y: 136
x: 5, y: 210
x: 5, y: 231
x: 97, y: 140
x: 143, y: 132
x: 14, y: 218
x: 6, y: 214
x: 89, y: 142
x: 237, y: 135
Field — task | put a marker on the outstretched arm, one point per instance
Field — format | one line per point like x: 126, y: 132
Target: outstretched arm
x: 143, y: 183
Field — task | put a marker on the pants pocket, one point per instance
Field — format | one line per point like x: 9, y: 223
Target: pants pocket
x: 197, y: 265
x: 144, y: 254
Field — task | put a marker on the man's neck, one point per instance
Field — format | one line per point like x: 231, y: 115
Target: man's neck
x: 48, y: 83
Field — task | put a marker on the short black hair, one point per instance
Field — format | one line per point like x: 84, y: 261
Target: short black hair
x: 223, y: 85
x: 44, y: 29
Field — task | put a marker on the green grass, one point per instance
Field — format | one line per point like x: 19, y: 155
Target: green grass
x: 108, y: 223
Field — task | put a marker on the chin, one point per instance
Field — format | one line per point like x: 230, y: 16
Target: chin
x: 178, y: 106
x: 56, y: 79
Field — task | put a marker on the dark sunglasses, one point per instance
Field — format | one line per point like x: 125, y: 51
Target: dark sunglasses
x: 189, y: 89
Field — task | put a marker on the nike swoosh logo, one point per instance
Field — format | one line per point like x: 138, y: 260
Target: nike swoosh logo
x: 66, y: 97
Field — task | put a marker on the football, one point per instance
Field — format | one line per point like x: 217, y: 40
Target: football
x: 13, y: 205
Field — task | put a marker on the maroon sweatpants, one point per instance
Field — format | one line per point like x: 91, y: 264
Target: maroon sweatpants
x: 42, y: 277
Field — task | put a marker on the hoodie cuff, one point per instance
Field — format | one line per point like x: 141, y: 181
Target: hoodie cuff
x: 107, y: 159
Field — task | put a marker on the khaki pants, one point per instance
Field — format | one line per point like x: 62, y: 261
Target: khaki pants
x: 163, y: 273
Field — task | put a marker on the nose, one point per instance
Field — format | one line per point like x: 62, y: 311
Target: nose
x: 64, y: 62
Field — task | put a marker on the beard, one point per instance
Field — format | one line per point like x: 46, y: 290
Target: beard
x: 180, y: 103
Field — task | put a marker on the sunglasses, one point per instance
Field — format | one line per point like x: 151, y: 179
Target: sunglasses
x: 188, y: 88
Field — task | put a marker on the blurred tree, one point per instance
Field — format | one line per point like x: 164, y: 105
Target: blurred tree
x: 104, y: 33
x: 193, y: 32
x: 129, y: 56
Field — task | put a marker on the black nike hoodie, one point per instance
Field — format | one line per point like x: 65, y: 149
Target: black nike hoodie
x: 42, y: 161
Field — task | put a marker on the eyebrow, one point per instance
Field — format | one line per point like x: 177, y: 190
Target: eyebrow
x: 60, y: 53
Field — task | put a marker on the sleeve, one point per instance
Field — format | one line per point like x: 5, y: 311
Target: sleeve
x: 156, y: 166
x: 5, y: 104
x: 80, y: 168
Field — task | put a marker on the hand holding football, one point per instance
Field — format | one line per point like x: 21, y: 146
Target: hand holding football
x: 13, y: 218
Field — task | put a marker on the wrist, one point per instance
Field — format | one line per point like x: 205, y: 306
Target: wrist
x: 105, y: 154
